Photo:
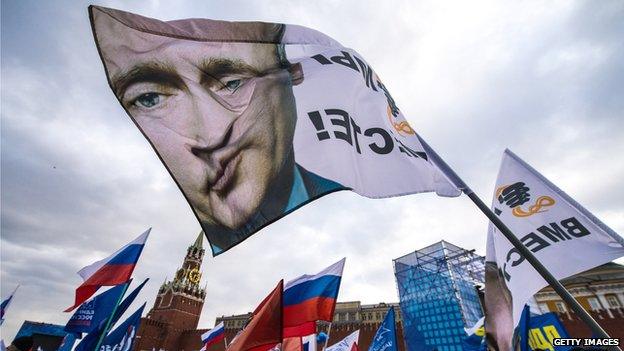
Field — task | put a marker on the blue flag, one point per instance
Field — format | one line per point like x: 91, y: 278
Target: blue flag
x: 123, y: 306
x: 5, y: 305
x: 67, y: 343
x: 475, y: 341
x: 89, y: 315
x: 90, y: 341
x: 538, y: 331
x: 122, y: 338
x: 385, y: 338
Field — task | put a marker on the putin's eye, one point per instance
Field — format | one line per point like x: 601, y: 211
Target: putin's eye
x: 148, y: 100
x: 233, y: 84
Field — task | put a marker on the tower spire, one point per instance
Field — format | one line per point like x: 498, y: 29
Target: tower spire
x: 199, y: 242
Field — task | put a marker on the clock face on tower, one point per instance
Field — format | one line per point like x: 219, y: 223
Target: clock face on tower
x: 194, y: 276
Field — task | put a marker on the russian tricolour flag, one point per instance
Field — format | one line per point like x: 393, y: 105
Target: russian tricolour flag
x: 114, y: 270
x: 311, y: 298
x: 213, y: 336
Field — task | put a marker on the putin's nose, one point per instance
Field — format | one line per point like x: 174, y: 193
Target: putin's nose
x: 210, y: 124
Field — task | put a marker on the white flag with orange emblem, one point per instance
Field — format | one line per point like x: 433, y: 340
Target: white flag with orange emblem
x: 563, y: 235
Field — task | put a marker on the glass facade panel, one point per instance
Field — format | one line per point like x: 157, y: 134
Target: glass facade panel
x: 437, y: 295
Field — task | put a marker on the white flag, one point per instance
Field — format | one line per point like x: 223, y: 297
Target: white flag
x: 309, y: 342
x: 254, y: 120
x: 476, y: 327
x: 564, y: 236
x: 347, y: 343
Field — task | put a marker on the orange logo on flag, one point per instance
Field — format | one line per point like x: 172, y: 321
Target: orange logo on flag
x: 542, y: 201
x: 400, y: 127
x: 518, y: 196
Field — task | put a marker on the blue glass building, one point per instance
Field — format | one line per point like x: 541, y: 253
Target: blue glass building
x: 438, y: 295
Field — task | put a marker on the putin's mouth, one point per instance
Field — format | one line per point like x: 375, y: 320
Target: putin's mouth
x: 226, y: 174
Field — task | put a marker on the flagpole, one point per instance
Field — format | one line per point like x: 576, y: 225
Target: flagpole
x: 110, y: 318
x: 328, y: 333
x: 528, y: 255
x: 394, y: 327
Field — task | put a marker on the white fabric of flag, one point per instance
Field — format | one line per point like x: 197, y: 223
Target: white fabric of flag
x: 309, y: 342
x: 254, y: 120
x: 564, y: 236
x: 347, y: 343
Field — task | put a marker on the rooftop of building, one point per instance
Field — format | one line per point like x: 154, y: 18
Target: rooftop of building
x: 341, y: 306
x: 441, y: 258
x: 608, y: 272
x: 435, y: 251
x: 30, y: 327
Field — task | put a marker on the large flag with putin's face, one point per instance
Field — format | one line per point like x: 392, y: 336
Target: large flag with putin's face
x: 562, y: 234
x: 254, y: 120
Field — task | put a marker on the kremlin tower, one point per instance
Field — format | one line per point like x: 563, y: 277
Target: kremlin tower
x: 174, y: 317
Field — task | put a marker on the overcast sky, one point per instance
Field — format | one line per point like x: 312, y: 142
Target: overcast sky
x: 545, y: 79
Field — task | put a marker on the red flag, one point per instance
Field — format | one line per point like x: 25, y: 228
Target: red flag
x: 265, y: 328
x: 300, y: 330
x: 292, y: 344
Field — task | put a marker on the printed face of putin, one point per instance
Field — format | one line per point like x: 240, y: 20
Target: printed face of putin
x: 221, y: 116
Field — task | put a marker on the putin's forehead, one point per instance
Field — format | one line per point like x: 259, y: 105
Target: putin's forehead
x: 124, y: 47
x: 188, y: 57
x: 193, y: 58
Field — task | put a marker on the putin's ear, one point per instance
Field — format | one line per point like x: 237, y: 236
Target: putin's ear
x: 296, y: 73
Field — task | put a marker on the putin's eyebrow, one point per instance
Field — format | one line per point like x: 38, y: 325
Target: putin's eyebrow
x: 217, y: 68
x: 150, y: 72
